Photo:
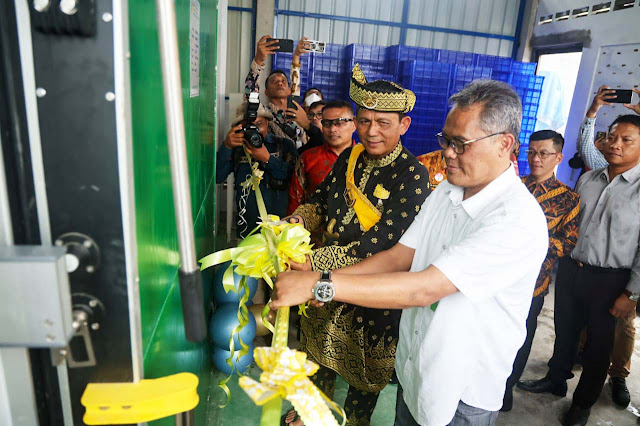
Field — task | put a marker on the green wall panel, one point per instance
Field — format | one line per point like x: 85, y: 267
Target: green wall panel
x: 165, y: 348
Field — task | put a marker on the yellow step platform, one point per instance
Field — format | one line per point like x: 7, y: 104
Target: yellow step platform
x: 147, y: 400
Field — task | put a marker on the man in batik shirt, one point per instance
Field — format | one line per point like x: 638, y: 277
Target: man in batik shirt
x: 434, y: 162
x: 561, y: 206
x: 367, y: 202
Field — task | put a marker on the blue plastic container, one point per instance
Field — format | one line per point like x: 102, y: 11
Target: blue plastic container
x: 456, y: 57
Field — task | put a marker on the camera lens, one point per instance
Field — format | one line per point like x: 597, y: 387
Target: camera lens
x: 256, y: 140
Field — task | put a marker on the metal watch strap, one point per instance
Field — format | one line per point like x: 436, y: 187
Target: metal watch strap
x: 632, y: 296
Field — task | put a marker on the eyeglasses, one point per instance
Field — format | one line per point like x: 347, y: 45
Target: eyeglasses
x: 338, y: 122
x: 313, y: 115
x: 458, y: 145
x: 542, y: 154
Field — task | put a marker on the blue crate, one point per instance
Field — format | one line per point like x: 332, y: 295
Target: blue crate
x: 328, y: 64
x: 456, y: 57
x: 526, y: 81
x: 496, y: 63
x: 283, y: 61
x: 529, y: 110
x: 366, y: 52
x: 529, y: 97
x: 527, y: 126
x: 465, y: 74
x: 333, y: 50
x: 420, y: 145
x: 367, y: 66
x: 501, y: 76
x: 524, y: 67
x: 332, y: 79
x: 397, y: 54
x: 427, y: 78
x: 403, y: 53
x: 433, y: 119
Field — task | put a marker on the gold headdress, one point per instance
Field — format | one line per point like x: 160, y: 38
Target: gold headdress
x: 395, y: 99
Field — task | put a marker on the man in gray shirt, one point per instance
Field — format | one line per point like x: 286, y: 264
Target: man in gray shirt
x: 600, y: 281
x: 591, y: 153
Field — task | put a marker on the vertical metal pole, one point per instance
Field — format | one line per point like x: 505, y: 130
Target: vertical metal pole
x: 405, y: 21
x: 516, y: 42
x: 17, y: 397
x: 23, y: 21
x: 185, y: 419
x: 190, y: 279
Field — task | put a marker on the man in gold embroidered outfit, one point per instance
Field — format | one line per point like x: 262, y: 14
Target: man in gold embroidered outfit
x: 367, y: 202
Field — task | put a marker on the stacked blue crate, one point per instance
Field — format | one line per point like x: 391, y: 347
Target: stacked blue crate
x: 432, y: 74
x: 529, y: 88
x: 456, y: 57
x: 328, y: 75
x: 528, y: 68
x: 465, y: 74
x: 430, y: 82
x: 398, y: 53
x: 500, y: 66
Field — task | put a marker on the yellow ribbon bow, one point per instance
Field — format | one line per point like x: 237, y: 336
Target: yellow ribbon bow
x: 285, y: 374
x: 256, y: 256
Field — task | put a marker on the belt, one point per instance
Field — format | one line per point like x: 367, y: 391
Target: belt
x: 588, y: 267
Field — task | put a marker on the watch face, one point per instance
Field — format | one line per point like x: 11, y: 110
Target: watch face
x: 324, y: 292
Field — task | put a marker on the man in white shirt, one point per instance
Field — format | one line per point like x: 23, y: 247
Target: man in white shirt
x: 463, y: 272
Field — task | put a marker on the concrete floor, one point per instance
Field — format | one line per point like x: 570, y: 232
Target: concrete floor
x: 545, y: 410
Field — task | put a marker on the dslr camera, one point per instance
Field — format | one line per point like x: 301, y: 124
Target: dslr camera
x: 251, y: 133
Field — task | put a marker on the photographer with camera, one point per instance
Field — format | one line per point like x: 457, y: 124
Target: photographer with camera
x: 277, y: 91
x: 276, y: 157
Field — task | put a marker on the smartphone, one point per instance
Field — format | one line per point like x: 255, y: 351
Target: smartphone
x: 290, y: 100
x: 622, y: 96
x: 285, y: 45
x: 600, y: 135
x: 316, y: 46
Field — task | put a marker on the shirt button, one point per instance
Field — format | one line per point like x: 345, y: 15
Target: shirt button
x: 455, y: 215
x: 416, y: 331
x: 410, y: 359
x: 444, y: 247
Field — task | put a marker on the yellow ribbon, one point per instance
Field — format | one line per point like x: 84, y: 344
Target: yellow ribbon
x: 367, y: 214
x: 254, y: 258
x: 264, y: 255
x: 285, y: 374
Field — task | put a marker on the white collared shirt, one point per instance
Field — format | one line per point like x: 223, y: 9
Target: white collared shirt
x: 491, y: 247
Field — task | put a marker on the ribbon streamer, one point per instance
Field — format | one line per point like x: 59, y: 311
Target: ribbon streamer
x: 264, y: 253
x: 285, y: 374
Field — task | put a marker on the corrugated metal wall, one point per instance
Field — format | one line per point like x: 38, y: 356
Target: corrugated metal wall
x: 488, y: 26
x: 497, y: 17
x: 239, y: 49
x: 482, y: 16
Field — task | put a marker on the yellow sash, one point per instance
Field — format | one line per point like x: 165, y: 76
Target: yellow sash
x: 367, y: 214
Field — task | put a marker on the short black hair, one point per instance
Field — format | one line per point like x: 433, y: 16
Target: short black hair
x: 313, y: 88
x: 339, y: 104
x: 266, y: 83
x: 541, y: 135
x: 628, y: 119
x: 317, y: 104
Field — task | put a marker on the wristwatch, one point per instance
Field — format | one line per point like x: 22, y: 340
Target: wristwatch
x: 632, y: 296
x: 324, y: 291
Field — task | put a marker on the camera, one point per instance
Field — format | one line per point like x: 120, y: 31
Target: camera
x: 251, y: 133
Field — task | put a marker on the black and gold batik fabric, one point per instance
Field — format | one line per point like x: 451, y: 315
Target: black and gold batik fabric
x: 360, y: 343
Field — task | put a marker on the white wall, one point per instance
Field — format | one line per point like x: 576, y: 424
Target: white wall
x: 612, y: 28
